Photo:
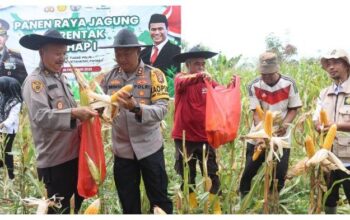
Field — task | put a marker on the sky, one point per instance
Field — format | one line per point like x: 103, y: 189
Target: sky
x: 235, y: 27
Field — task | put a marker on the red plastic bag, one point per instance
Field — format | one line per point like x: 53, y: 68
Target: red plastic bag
x: 223, y: 113
x: 91, y: 143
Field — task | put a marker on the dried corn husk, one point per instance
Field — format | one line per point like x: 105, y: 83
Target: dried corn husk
x: 298, y: 169
x: 327, y: 160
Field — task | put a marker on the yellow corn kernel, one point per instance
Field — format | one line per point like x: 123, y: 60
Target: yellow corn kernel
x: 328, y: 142
x: 268, y: 123
x: 257, y: 153
x: 127, y: 88
x: 309, y: 146
x: 323, y: 117
x: 260, y: 112
x: 93, y: 208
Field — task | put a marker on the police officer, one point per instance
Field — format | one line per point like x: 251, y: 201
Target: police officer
x: 136, y: 136
x: 11, y: 63
x: 54, y: 118
x: 335, y: 100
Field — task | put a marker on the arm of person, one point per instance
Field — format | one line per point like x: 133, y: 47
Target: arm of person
x: 13, y: 116
x: 184, y: 80
x: 42, y: 114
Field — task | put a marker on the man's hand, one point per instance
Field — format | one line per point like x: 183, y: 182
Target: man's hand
x: 325, y: 128
x: 281, y: 131
x: 83, y: 113
x: 126, y: 100
x: 206, y: 76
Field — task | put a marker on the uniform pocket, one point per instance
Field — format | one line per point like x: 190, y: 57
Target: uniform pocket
x: 342, y: 147
x: 344, y: 114
x: 57, y: 99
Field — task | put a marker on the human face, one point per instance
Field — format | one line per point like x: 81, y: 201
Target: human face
x: 270, y: 78
x: 3, y: 39
x: 127, y: 58
x: 196, y: 65
x: 158, y: 32
x: 53, y: 56
x: 337, y: 69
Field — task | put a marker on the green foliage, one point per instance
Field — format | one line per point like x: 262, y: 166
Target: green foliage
x: 294, y: 198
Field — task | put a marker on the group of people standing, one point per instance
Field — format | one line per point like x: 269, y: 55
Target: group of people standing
x: 136, y: 135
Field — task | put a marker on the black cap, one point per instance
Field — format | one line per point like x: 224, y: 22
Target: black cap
x: 158, y: 18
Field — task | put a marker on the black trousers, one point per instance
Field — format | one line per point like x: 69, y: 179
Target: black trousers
x: 195, y: 150
x: 127, y: 177
x: 335, y: 175
x: 62, y: 180
x: 7, y: 147
x: 251, y: 168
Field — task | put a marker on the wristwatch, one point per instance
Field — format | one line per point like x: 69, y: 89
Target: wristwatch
x: 136, y: 109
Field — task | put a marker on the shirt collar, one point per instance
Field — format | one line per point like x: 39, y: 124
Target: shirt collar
x: 161, y: 45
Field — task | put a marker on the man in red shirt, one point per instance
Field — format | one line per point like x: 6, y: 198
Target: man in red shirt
x: 190, y: 104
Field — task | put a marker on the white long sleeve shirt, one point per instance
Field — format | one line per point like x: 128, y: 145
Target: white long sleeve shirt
x: 11, y: 124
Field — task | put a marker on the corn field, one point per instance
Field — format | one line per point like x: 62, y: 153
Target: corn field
x: 294, y: 198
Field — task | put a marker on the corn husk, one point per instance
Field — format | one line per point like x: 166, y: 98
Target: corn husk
x: 327, y: 160
x: 43, y: 204
x: 298, y: 169
x: 94, y: 170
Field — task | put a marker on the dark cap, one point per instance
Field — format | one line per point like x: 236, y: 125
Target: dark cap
x: 4, y: 26
x: 158, y: 18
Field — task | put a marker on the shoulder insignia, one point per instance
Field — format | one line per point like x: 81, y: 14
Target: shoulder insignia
x: 140, y: 72
x: 159, y: 75
x: 37, y: 86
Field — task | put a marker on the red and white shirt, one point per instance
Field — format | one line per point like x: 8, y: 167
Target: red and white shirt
x: 279, y: 97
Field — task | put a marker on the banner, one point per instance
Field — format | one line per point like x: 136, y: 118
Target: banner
x: 95, y: 25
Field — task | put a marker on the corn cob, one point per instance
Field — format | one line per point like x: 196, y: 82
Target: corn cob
x: 127, y: 88
x: 268, y: 122
x: 94, y: 171
x: 323, y: 117
x: 93, y: 208
x: 257, y: 153
x: 309, y: 146
x: 328, y: 142
x: 260, y: 112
